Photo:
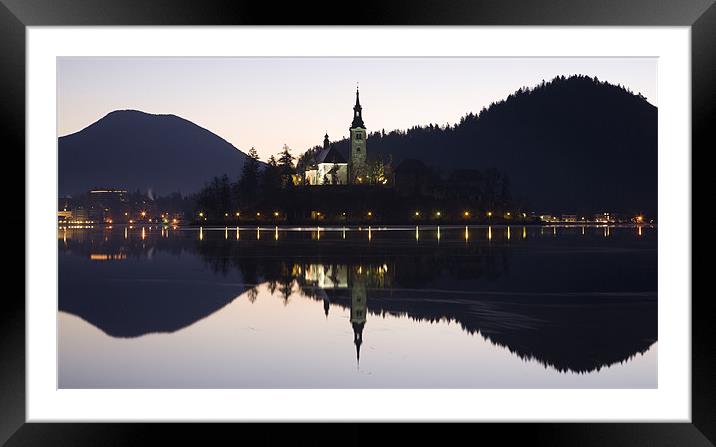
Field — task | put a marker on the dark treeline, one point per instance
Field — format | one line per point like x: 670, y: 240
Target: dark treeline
x: 572, y: 144
x: 414, y: 192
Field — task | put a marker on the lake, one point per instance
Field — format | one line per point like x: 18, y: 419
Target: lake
x: 371, y: 307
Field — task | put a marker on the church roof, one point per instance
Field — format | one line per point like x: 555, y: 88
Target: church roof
x: 330, y: 155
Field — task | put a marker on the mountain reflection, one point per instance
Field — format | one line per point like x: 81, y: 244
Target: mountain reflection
x: 571, y: 306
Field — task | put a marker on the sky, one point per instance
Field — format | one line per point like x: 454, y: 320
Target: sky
x: 268, y: 102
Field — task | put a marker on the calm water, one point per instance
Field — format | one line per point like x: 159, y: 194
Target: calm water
x: 448, y: 307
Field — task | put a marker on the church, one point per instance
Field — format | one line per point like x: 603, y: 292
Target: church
x: 331, y: 168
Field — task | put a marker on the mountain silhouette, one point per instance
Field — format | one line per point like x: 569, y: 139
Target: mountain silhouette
x: 135, y: 150
x: 571, y: 144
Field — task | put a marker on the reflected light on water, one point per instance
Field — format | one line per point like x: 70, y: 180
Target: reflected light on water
x: 370, y: 235
x: 226, y: 233
x: 258, y: 233
x: 126, y: 233
x: 438, y: 235
x: 275, y: 233
x: 201, y: 233
x: 412, y: 318
x: 144, y: 234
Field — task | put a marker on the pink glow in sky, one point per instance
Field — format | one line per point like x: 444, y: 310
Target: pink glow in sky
x: 269, y: 102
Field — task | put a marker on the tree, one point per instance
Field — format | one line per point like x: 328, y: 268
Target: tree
x: 333, y: 172
x: 286, y: 166
x: 248, y: 185
x: 271, y: 179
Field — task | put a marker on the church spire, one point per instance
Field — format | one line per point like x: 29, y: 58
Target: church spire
x: 326, y: 141
x: 357, y: 113
x: 358, y: 339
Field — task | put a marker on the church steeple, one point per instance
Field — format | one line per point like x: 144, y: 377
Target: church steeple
x: 326, y: 142
x: 357, y: 113
x: 358, y: 338
x: 359, y: 308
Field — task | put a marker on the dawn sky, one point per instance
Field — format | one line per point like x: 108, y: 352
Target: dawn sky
x: 268, y: 102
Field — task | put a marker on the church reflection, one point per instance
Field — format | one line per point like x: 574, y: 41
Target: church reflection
x: 323, y: 280
x: 479, y: 279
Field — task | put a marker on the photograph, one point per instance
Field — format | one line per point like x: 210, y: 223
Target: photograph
x: 357, y: 222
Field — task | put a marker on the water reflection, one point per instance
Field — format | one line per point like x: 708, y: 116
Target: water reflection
x: 569, y: 302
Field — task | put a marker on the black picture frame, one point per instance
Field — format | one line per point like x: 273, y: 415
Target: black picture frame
x: 699, y: 15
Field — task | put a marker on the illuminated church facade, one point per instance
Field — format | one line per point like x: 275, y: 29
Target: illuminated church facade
x: 331, y: 168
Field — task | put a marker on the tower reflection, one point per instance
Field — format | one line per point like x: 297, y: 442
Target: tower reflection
x: 499, y: 291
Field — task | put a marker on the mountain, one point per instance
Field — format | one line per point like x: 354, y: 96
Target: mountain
x: 135, y: 150
x: 571, y: 144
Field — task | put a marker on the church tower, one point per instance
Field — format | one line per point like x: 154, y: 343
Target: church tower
x: 358, y: 168
x: 359, y: 309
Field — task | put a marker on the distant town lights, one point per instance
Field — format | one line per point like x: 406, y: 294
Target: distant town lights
x: 466, y: 214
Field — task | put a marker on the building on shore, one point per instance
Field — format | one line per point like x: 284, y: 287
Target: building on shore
x: 107, y: 204
x: 330, y: 167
